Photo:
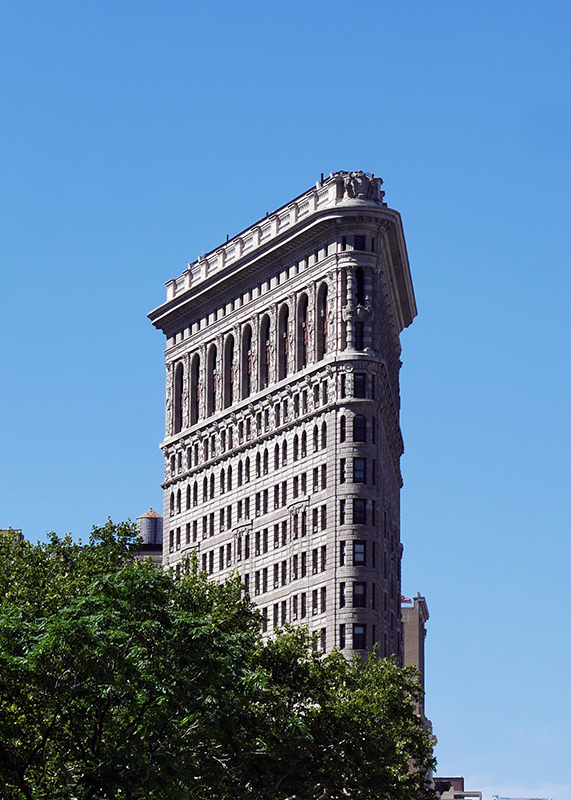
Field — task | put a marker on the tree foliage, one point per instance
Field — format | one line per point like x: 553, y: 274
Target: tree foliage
x: 121, y: 680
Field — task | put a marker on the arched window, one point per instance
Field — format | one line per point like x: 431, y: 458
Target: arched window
x: 195, y: 494
x: 211, y: 487
x: 303, y: 444
x: 315, y: 439
x: 359, y: 286
x: 284, y: 453
x: 246, y: 361
x: 359, y: 428
x: 277, y: 456
x: 283, y: 343
x: 322, y: 321
x: 264, y: 352
x: 188, y: 497
x: 178, y: 384
x: 211, y: 381
x: 172, y: 504
x: 266, y: 459
x: 240, y: 473
x: 295, y: 447
x: 247, y: 470
x: 229, y: 371
x: 178, y: 502
x: 258, y: 465
x: 229, y: 479
x: 323, y: 435
x: 342, y: 429
x: 205, y: 489
x: 302, y: 332
x: 194, y: 389
x: 222, y: 481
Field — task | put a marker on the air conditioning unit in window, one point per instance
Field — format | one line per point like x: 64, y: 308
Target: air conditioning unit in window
x: 314, y: 612
x: 276, y: 584
x: 315, y: 528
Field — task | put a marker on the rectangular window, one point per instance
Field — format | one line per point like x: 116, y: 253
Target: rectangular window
x: 195, y: 530
x: 315, y: 479
x: 315, y: 520
x: 294, y: 607
x: 284, y: 612
x: 303, y: 565
x: 304, y: 483
x: 373, y: 597
x: 373, y: 554
x: 294, y: 567
x: 324, y: 476
x: 276, y: 496
x: 323, y: 558
x: 211, y: 524
x: 374, y: 430
x: 359, y: 470
x: 284, y: 534
x: 342, y: 554
x: 247, y: 508
x: 359, y: 512
x: 228, y: 555
x: 374, y: 474
x: 374, y: 512
x: 258, y: 504
x: 257, y: 582
x: 265, y: 540
x: 303, y: 523
x: 295, y: 526
x: 323, y: 517
x: 359, y: 336
x: 343, y: 470
x: 343, y: 385
x: 296, y: 486
x: 276, y: 536
x: 178, y: 538
x: 359, y: 554
x: 342, y: 599
x: 342, y: 634
x: 276, y: 576
x: 265, y: 502
x: 247, y: 546
x: 359, y: 637
x: 303, y: 605
x: 247, y: 583
x: 221, y: 558
x: 204, y: 562
x: 188, y: 533
x: 228, y: 516
x: 264, y: 620
x: 323, y: 639
x: 239, y: 510
x: 359, y: 243
x: 221, y: 520
x: 323, y: 599
x: 359, y: 595
x: 314, y: 561
x: 342, y: 511
x: 257, y: 548
x: 211, y: 562
x: 265, y: 580
x: 359, y: 386
x: 284, y: 493
x: 284, y: 573
x: 314, y: 599
x: 204, y: 527
x: 304, y: 401
x: 276, y: 614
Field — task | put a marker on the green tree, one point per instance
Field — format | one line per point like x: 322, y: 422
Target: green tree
x: 121, y: 680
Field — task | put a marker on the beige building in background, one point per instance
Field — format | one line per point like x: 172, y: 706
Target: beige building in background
x: 282, y: 441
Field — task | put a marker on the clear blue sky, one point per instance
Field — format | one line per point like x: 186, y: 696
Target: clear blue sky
x: 135, y: 135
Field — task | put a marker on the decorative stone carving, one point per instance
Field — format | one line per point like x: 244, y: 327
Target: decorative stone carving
x: 359, y: 186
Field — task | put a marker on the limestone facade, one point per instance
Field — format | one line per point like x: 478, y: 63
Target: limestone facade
x: 282, y: 441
